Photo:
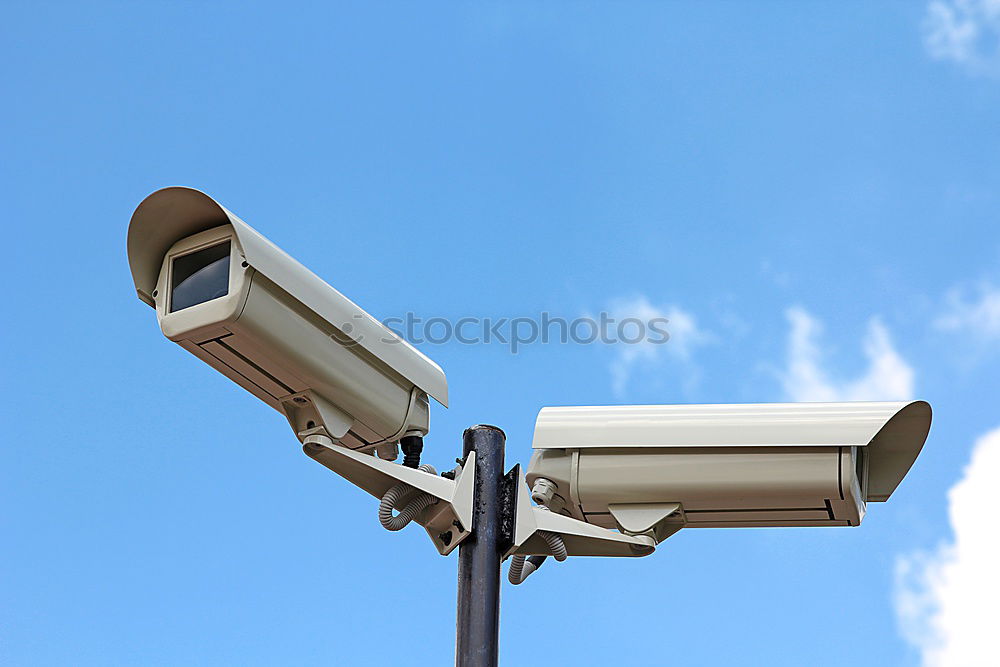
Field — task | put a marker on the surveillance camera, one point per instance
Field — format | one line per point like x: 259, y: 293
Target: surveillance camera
x: 235, y: 300
x: 659, y: 468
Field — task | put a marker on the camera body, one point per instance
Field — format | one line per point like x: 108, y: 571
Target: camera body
x: 233, y: 299
x: 637, y: 468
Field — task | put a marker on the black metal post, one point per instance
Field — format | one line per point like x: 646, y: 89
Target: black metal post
x: 478, y: 626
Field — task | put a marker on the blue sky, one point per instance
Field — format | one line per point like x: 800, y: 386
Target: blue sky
x: 808, y: 191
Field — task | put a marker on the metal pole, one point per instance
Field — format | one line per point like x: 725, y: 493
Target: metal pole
x: 478, y: 626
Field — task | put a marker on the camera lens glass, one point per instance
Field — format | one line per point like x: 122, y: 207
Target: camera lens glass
x: 199, y: 276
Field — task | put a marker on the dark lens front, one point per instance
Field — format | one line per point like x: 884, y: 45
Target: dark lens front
x: 199, y: 277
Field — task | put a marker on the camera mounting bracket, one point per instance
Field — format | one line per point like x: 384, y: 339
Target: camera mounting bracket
x: 581, y: 538
x: 448, y: 521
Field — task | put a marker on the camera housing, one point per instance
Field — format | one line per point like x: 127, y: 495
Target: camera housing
x: 236, y: 301
x: 654, y: 468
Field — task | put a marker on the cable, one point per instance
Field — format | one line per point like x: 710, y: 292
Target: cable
x: 521, y: 567
x: 404, y: 496
x: 556, y: 545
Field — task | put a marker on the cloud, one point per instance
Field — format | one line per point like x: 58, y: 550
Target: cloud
x: 978, y: 316
x: 946, y: 600
x: 888, y: 376
x: 685, y: 335
x: 966, y: 32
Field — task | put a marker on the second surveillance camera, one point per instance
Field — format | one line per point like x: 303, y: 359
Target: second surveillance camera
x: 235, y: 300
x: 663, y: 467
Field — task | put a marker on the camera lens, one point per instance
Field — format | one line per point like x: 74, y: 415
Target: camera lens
x: 200, y: 276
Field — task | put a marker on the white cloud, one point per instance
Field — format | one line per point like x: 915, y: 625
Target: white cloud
x: 978, y: 317
x: 685, y: 335
x: 947, y: 600
x: 888, y: 376
x: 966, y: 32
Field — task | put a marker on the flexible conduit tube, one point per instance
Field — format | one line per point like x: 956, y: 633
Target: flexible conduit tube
x: 556, y: 544
x: 402, y: 495
x: 520, y: 569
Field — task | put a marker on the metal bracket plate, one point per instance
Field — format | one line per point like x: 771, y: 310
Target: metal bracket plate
x: 447, y: 522
x: 508, y: 510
